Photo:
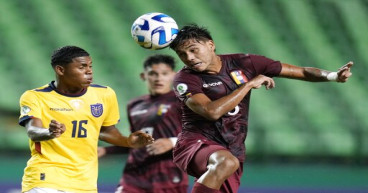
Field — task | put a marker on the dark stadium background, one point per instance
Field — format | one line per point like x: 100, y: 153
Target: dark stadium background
x: 303, y: 137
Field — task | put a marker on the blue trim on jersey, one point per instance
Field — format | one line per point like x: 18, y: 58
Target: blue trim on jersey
x: 98, y: 86
x: 52, y: 87
x: 46, y: 89
x: 23, y: 120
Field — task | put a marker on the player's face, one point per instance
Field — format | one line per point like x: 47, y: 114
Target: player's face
x: 159, y: 78
x: 78, y: 73
x: 197, y: 55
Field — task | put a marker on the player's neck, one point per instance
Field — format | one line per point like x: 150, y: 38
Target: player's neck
x: 63, y: 89
x: 215, y: 66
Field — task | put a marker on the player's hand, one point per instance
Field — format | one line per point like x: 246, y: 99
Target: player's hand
x: 101, y: 151
x: 160, y: 146
x: 260, y: 80
x: 139, y: 139
x: 344, y: 73
x: 56, y: 129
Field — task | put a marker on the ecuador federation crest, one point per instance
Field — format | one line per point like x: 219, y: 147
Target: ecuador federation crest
x: 97, y: 109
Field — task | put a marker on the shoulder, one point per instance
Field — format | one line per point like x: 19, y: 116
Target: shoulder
x: 259, y: 58
x: 137, y: 100
x: 234, y: 56
x: 34, y: 92
x: 237, y: 59
x: 100, y: 88
x: 186, y: 74
x: 103, y: 91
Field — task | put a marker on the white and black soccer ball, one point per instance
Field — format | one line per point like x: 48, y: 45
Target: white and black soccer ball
x: 154, y: 30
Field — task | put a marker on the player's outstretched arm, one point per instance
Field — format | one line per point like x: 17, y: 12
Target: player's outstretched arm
x: 315, y: 74
x: 36, y: 132
x: 112, y: 135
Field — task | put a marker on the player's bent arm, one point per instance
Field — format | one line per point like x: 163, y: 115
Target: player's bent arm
x: 36, y: 132
x: 213, y: 110
x: 112, y: 135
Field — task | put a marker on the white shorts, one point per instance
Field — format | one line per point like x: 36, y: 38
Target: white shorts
x: 45, y: 190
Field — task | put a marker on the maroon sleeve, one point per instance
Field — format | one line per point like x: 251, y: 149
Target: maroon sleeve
x: 186, y: 85
x: 265, y: 66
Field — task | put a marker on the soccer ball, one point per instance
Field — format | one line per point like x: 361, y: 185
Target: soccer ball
x: 154, y: 30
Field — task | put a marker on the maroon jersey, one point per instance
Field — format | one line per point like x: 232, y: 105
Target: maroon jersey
x: 160, y: 117
x: 231, y: 129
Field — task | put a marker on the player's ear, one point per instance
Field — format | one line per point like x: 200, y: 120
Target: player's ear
x: 212, y: 45
x: 142, y: 76
x: 59, y: 70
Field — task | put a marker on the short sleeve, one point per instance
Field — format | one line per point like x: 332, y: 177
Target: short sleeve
x: 113, y: 115
x: 186, y: 85
x: 29, y: 107
x: 265, y: 66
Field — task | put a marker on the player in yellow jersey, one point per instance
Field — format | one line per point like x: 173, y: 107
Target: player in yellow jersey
x: 64, y: 121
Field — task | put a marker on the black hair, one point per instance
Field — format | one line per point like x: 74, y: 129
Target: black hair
x: 159, y: 58
x: 64, y: 55
x: 192, y: 31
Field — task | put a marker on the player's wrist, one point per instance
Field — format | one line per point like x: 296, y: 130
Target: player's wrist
x: 332, y: 76
x: 173, y: 140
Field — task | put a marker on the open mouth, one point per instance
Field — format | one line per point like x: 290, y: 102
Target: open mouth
x: 196, y: 64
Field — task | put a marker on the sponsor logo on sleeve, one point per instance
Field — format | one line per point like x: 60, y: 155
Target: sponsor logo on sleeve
x: 25, y: 110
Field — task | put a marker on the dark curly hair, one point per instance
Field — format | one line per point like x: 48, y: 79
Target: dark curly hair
x: 192, y: 31
x: 64, y: 55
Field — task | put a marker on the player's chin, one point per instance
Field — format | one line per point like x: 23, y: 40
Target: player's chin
x: 85, y: 85
x: 159, y: 91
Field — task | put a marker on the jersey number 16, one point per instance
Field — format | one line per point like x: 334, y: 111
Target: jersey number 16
x: 78, y: 126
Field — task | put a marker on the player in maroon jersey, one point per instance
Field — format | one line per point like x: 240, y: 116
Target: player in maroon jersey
x: 151, y: 169
x: 215, y: 94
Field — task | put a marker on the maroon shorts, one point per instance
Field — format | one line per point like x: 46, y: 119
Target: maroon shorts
x: 186, y: 148
x: 192, y: 152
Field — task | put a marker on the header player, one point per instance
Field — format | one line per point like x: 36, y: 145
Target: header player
x: 215, y: 94
x: 64, y: 121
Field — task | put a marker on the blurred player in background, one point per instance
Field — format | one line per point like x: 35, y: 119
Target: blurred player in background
x: 64, y: 121
x: 215, y: 94
x: 151, y: 169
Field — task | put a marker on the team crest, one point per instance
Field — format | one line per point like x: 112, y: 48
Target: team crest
x: 97, y: 110
x: 162, y: 109
x: 239, y: 77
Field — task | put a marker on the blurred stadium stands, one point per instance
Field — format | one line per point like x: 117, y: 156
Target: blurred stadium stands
x: 296, y: 121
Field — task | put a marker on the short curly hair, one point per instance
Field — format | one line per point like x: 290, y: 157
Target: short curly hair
x: 192, y: 31
x: 64, y: 55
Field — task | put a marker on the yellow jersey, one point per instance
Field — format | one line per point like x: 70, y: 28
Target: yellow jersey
x: 69, y: 162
